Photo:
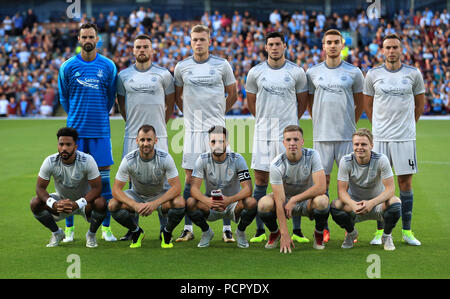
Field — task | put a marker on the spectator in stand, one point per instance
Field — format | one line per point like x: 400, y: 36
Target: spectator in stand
x: 12, y: 107
x: 24, y: 105
x: 33, y: 53
x: 46, y: 109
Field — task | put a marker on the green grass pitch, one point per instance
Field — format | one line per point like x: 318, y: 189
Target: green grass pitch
x: 25, y: 144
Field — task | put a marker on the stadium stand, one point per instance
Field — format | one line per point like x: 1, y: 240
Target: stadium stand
x: 32, y: 49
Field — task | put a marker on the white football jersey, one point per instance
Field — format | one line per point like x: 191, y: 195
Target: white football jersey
x: 225, y: 175
x: 276, y: 97
x: 295, y: 177
x: 71, y: 180
x: 145, y: 93
x: 333, y: 113
x: 393, y: 117
x: 204, y: 83
x: 365, y: 181
x: 147, y: 177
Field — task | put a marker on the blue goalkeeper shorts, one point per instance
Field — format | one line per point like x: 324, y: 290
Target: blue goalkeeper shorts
x: 99, y: 148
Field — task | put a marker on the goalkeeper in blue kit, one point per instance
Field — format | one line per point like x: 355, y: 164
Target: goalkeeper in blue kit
x: 87, y: 88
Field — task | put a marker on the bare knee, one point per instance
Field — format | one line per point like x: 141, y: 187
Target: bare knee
x: 191, y: 204
x: 114, y: 205
x: 266, y: 204
x: 100, y: 204
x: 320, y: 202
x: 179, y: 202
x: 392, y: 200
x: 250, y: 203
x: 36, y: 205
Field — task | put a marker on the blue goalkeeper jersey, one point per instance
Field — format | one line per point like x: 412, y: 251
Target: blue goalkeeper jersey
x: 87, y: 93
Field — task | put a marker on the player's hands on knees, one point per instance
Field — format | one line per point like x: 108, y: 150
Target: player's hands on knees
x: 355, y: 206
x: 146, y: 209
x: 285, y: 244
x: 364, y: 207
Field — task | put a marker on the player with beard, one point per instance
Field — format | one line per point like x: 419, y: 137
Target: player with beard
x: 277, y: 96
x: 155, y: 187
x: 228, y: 172
x: 87, y: 89
x: 205, y: 89
x: 395, y: 95
x: 335, y: 102
x: 146, y: 95
x: 78, y: 187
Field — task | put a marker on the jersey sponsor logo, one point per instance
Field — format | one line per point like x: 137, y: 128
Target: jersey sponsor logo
x: 394, y: 91
x: 332, y: 88
x: 91, y: 83
x: 275, y: 90
x: 202, y: 81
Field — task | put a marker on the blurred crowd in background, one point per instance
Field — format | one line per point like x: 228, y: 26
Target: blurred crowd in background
x: 31, y: 51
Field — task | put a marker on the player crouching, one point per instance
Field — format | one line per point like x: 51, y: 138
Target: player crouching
x: 366, y: 191
x: 147, y: 168
x: 78, y: 187
x: 298, y: 183
x: 227, y: 172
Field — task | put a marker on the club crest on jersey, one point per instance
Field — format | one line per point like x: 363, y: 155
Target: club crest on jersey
x: 100, y: 73
x: 306, y: 171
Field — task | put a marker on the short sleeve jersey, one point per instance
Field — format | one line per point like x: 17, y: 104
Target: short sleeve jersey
x: 145, y: 93
x: 147, y: 176
x: 71, y: 180
x: 276, y: 97
x: 365, y: 181
x: 295, y: 177
x: 333, y: 112
x: 203, y: 85
x: 393, y: 117
x: 225, y: 175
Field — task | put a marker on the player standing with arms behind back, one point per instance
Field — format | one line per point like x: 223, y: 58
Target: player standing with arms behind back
x: 336, y: 103
x: 394, y: 97
x: 87, y: 88
x: 201, y: 83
